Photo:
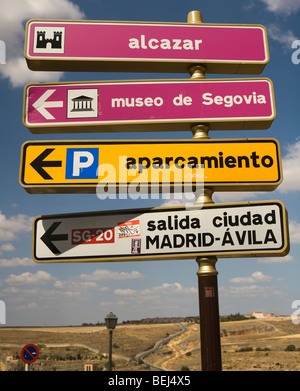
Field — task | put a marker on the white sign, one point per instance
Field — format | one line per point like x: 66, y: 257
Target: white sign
x: 222, y: 230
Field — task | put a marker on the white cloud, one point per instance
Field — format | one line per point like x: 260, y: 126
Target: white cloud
x: 17, y: 72
x: 125, y: 292
x: 294, y: 229
x: 39, y: 277
x: 249, y: 291
x: 287, y: 258
x: 13, y: 16
x: 282, y: 6
x: 255, y: 277
x: 285, y: 38
x: 7, y: 247
x: 178, y: 199
x: 29, y: 306
x: 13, y: 262
x: 98, y: 275
x: 236, y: 196
x: 11, y: 226
x: 164, y: 289
x: 77, y: 286
x: 291, y: 169
x: 248, y: 6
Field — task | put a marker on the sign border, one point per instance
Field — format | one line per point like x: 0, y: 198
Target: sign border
x: 143, y: 65
x: 149, y: 125
x: 86, y: 188
x: 282, y: 251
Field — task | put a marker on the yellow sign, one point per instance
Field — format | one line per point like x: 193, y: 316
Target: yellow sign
x: 84, y: 167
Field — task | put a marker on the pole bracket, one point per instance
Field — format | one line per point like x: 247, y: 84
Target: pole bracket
x: 207, y: 266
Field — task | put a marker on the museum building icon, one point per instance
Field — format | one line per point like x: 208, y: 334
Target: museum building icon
x: 82, y: 103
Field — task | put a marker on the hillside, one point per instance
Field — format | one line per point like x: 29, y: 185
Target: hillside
x: 246, y: 345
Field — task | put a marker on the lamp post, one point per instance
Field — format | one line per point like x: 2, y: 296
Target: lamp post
x: 110, y: 322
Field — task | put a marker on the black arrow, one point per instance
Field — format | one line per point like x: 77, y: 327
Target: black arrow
x: 48, y: 238
x: 39, y: 163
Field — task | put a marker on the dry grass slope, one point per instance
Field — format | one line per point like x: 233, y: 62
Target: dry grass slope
x: 252, y: 345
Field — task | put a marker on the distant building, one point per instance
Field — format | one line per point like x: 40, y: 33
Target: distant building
x: 258, y: 315
x: 134, y: 321
x: 90, y: 366
x: 261, y: 315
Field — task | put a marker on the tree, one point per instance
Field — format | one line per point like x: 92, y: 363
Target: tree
x: 185, y: 368
x: 290, y: 348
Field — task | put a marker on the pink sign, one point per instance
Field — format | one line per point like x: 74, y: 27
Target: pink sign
x: 61, y: 45
x: 136, y: 105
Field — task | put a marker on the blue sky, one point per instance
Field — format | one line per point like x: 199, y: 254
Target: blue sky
x: 62, y: 294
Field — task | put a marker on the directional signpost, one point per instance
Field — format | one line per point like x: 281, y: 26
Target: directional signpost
x: 142, y: 47
x: 223, y: 230
x: 206, y: 230
x: 149, y: 105
x: 85, y: 166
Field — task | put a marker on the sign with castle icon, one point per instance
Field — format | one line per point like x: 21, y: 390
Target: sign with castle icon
x: 103, y: 46
x: 49, y: 39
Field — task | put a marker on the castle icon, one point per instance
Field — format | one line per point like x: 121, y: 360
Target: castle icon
x: 55, y: 42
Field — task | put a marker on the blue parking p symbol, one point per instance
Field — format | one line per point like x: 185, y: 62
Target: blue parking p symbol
x: 82, y: 163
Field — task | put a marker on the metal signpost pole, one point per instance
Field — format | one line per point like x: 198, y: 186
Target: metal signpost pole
x: 211, y: 359
x: 110, y: 351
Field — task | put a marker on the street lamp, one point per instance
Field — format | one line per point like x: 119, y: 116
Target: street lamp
x: 110, y: 322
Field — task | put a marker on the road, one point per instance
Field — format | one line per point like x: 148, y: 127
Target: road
x: 139, y: 357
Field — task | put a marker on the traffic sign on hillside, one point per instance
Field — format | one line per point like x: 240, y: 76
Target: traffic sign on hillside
x: 222, y: 230
x: 89, y: 166
x: 145, y: 47
x: 148, y: 105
